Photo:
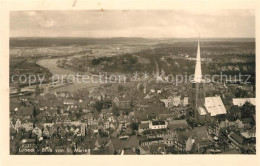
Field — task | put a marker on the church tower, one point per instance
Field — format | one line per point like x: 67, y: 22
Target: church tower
x: 197, y: 95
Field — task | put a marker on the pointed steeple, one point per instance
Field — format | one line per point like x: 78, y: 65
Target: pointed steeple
x: 198, y: 74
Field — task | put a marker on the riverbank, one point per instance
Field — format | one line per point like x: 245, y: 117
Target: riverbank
x: 51, y: 65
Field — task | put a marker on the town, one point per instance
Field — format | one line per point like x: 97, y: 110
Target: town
x: 141, y: 115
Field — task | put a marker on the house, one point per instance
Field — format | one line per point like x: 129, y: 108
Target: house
x: 169, y: 139
x: 178, y: 124
x: 124, y: 120
x: 61, y: 131
x: 151, y: 141
x: 53, y: 130
x: 76, y: 123
x: 202, y: 138
x: 90, y: 119
x: 183, y: 141
x: 128, y: 131
x: 101, y: 143
x: 236, y: 140
x: 167, y: 117
x: 106, y: 125
x: 140, y: 115
x: 123, y: 102
x: 28, y: 126
x: 144, y: 150
x: 11, y: 124
x: 185, y: 101
x: 83, y: 129
x: 94, y: 128
x: 128, y: 152
x: 157, y: 149
x: 37, y: 131
x: 66, y: 120
x: 48, y: 124
x: 213, y: 129
x: 26, y: 112
x: 147, y: 101
x: 157, y: 125
x: 18, y: 124
x: 241, y: 101
x: 123, y: 143
x: 46, y: 132
x: 167, y: 102
x: 59, y: 120
x: 174, y: 101
x: 143, y: 127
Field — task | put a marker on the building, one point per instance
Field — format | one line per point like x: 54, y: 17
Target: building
x: 197, y: 95
x: 123, y: 103
x: 214, y: 106
x: 183, y: 141
x: 241, y: 101
x: 143, y: 127
x: 157, y: 125
x: 204, y: 108
x: 178, y: 124
x: 185, y: 101
x: 83, y: 129
x: 175, y: 101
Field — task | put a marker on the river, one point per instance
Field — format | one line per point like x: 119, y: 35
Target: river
x: 51, y: 64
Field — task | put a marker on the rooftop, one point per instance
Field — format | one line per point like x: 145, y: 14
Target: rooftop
x: 215, y: 106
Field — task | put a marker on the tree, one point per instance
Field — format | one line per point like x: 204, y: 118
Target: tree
x: 247, y: 110
x: 98, y: 105
x: 134, y: 126
x: 115, y: 110
x: 240, y: 93
x: 233, y: 113
x: 191, y: 122
x: 78, y: 115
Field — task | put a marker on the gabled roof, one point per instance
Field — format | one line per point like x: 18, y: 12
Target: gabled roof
x: 181, y: 121
x: 119, y: 144
x: 144, y: 125
x: 140, y: 115
x: 201, y: 133
x: 215, y: 106
x: 182, y: 136
x: 157, y: 148
x: 236, y: 137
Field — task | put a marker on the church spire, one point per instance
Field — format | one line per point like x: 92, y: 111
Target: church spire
x: 198, y: 74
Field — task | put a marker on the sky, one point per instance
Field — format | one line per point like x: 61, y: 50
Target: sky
x: 133, y: 23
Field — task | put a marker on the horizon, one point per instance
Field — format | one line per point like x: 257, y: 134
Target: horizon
x: 134, y: 23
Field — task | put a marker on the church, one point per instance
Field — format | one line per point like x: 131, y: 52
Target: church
x: 205, y: 109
